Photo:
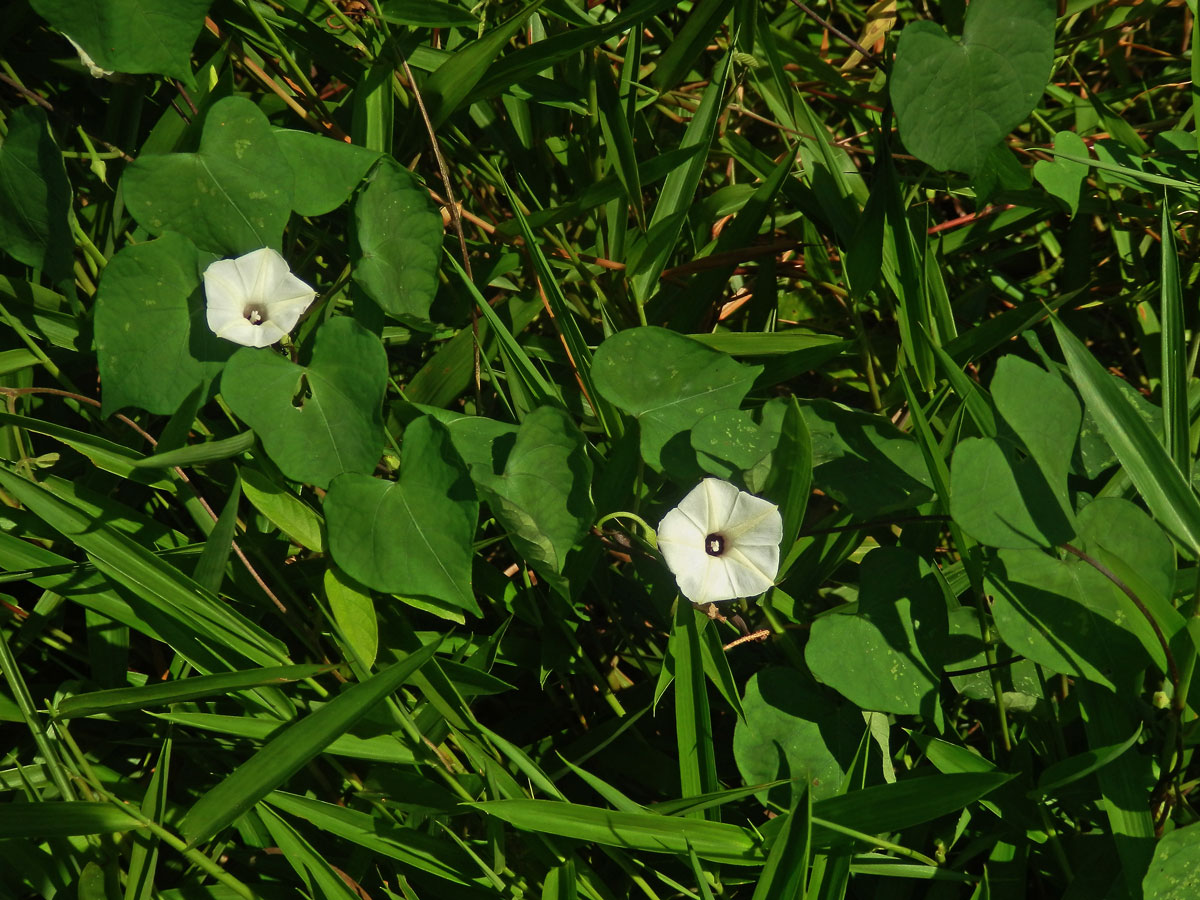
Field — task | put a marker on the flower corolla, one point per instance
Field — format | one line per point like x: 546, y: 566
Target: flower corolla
x: 721, y: 543
x: 255, y: 299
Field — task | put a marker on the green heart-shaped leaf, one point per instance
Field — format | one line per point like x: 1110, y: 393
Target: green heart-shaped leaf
x: 669, y: 383
x: 411, y: 536
x: 874, y: 658
x: 1175, y: 872
x: 152, y: 341
x: 232, y: 196
x: 1065, y: 615
x: 1063, y: 178
x: 1045, y: 414
x: 864, y: 461
x: 794, y: 730
x: 326, y: 171
x: 543, y: 497
x: 319, y: 420
x: 35, y: 195
x: 400, y: 239
x: 730, y: 441
x: 134, y: 36
x: 1002, y: 501
x: 955, y: 99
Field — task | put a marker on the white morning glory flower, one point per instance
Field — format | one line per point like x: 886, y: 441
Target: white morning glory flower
x: 721, y: 543
x: 255, y: 299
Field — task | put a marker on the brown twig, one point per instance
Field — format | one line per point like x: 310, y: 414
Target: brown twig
x: 840, y: 35
x: 760, y: 635
x: 455, y: 219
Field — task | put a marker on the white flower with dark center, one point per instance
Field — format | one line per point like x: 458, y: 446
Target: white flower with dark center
x: 255, y: 299
x: 721, y: 543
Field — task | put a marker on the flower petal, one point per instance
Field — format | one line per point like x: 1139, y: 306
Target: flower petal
x: 286, y: 313
x: 223, y: 287
x: 707, y: 581
x: 752, y: 529
x: 752, y: 570
x: 261, y: 279
x: 678, y: 534
x: 754, y: 521
x: 243, y: 331
x: 259, y: 270
x: 722, y: 500
x: 707, y: 504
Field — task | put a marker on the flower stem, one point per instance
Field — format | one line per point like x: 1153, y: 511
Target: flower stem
x: 649, y: 533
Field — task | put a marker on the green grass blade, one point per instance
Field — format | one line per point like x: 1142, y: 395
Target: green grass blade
x: 448, y: 373
x: 1176, y: 433
x: 566, y: 324
x: 105, y: 455
x: 894, y: 807
x: 520, y: 367
x: 1136, y: 174
x: 706, y: 286
x: 693, y: 724
x: 177, y: 691
x: 775, y: 343
x: 143, y: 855
x: 978, y: 404
x: 679, y: 189
x: 199, y: 454
x: 1168, y: 495
x: 632, y: 830
x: 123, y: 559
x: 1108, y: 720
x: 406, y: 845
x: 1073, y: 768
x: 683, y: 805
x: 544, y: 54
x: 689, y: 42
x: 454, y: 79
x: 287, y: 753
x: 210, y: 567
x: 787, y: 864
x: 383, y: 748
x: 618, y: 137
x: 63, y: 819
x: 790, y: 482
x: 908, y: 282
x: 311, y: 866
x: 28, y: 712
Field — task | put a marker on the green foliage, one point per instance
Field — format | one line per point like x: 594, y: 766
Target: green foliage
x: 956, y: 99
x: 379, y: 609
x: 35, y: 195
x: 153, y: 347
x: 152, y: 36
x: 669, y: 384
x: 399, y: 236
x: 412, y: 535
x: 541, y: 497
x: 320, y: 419
x: 230, y: 197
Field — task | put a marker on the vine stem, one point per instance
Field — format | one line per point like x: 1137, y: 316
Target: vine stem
x: 1175, y: 733
x: 1172, y: 669
x: 650, y: 534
